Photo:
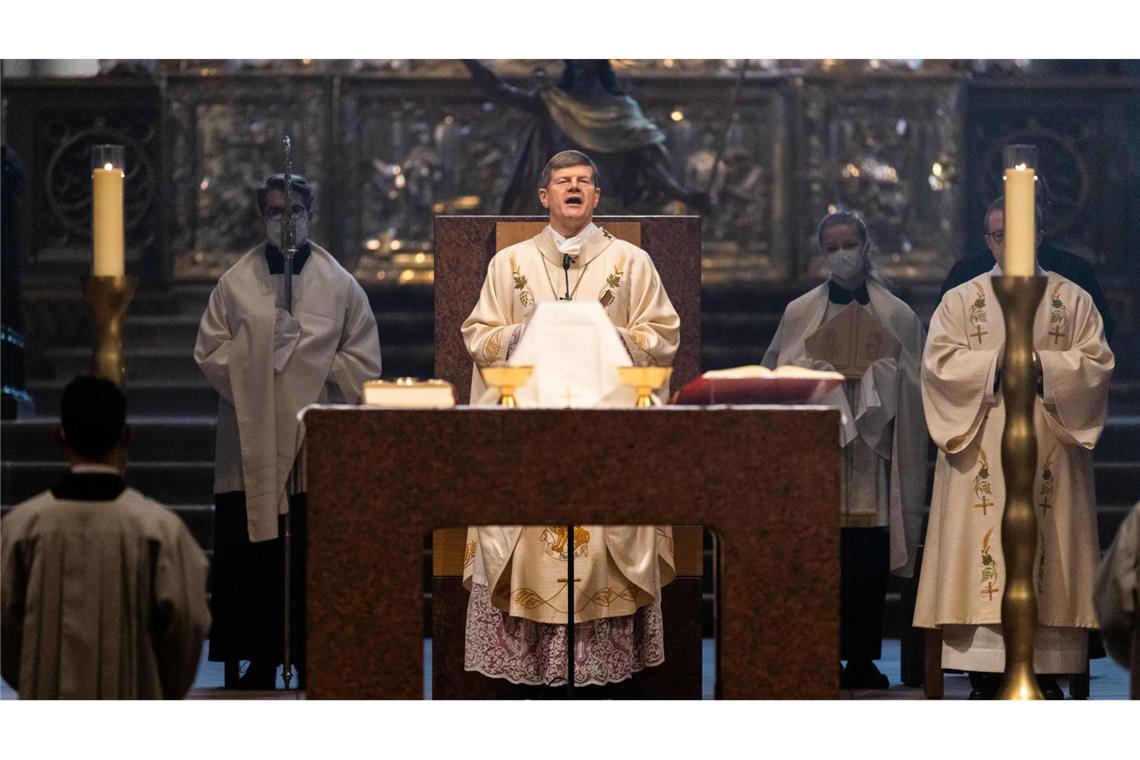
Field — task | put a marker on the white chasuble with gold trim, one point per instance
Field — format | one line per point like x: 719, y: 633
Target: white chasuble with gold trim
x: 963, y: 570
x: 617, y: 569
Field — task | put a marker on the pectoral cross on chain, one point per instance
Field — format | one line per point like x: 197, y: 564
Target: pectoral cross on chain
x: 1044, y: 503
x: 985, y: 503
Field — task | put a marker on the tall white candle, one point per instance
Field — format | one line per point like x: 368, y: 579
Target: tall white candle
x: 1020, y: 225
x: 107, y: 221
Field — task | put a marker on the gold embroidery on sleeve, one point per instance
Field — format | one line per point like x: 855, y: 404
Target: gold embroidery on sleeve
x: 468, y: 553
x: 492, y: 345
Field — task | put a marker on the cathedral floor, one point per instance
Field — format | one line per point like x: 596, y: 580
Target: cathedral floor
x: 1109, y: 681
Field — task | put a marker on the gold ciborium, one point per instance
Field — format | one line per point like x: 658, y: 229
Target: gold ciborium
x: 506, y: 379
x: 646, y: 380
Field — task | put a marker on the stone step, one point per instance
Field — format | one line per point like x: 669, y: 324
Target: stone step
x: 167, y: 482
x: 192, y: 397
x: 1120, y: 441
x: 160, y: 331
x: 731, y: 328
x: 161, y: 363
x: 1117, y: 482
x: 145, y: 331
x: 153, y: 439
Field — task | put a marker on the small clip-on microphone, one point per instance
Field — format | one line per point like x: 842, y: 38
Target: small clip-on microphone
x: 566, y: 261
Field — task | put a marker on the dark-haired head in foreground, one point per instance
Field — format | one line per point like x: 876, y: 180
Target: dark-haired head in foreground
x: 93, y: 422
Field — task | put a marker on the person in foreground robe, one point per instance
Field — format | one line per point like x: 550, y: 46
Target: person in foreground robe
x: 267, y: 365
x: 104, y: 590
x: 517, y: 611
x: 1117, y: 593
x: 883, y: 435
x: 963, y: 568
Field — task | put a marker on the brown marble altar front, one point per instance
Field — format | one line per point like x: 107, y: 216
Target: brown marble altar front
x: 765, y: 479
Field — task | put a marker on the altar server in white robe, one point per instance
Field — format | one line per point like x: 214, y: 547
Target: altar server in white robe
x: 882, y: 433
x: 103, y: 590
x: 267, y: 365
x: 963, y: 568
x: 1117, y: 595
x: 514, y: 632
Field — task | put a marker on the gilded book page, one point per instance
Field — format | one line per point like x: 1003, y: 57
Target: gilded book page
x: 851, y: 340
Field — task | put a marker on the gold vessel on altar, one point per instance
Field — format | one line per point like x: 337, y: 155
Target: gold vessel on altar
x: 506, y: 379
x: 646, y: 380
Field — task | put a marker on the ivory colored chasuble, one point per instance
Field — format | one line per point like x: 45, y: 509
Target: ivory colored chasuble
x: 618, y: 275
x: 964, y: 572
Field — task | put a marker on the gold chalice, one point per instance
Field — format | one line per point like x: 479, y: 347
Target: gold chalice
x: 646, y: 380
x: 506, y: 379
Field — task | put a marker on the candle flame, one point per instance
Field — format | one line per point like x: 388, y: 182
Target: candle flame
x: 108, y: 166
x: 1021, y: 167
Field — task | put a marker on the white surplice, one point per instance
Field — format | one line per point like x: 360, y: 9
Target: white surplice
x: 883, y: 432
x: 101, y: 599
x: 265, y: 375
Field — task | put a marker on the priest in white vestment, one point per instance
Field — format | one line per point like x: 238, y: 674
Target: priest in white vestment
x: 517, y: 611
x: 882, y: 433
x: 963, y: 569
x: 267, y: 364
x: 103, y: 590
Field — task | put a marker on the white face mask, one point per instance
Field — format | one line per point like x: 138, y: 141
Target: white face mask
x: 273, y: 231
x: 846, y: 262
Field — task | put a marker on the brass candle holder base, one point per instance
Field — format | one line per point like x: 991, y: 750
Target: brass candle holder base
x: 646, y: 380
x: 1019, y: 297
x: 107, y: 300
x: 506, y: 379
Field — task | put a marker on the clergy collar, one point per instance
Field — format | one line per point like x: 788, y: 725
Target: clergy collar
x: 573, y: 244
x: 90, y: 486
x: 276, y: 259
x: 840, y: 295
x: 594, y: 239
x: 92, y: 468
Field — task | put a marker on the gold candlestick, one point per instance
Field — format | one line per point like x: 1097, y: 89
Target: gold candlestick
x: 1019, y: 297
x: 107, y: 300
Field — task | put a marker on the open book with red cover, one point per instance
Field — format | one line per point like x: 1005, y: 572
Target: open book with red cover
x: 754, y: 384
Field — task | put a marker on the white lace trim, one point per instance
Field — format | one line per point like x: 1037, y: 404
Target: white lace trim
x: 525, y: 652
